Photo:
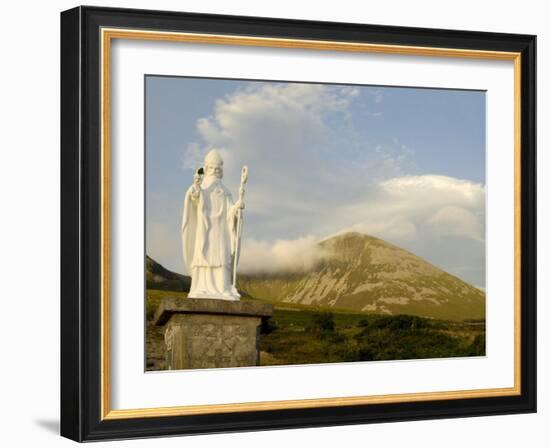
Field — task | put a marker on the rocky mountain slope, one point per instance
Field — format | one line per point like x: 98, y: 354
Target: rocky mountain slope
x: 363, y: 273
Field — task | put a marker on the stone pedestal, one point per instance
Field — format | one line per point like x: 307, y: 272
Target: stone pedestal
x: 208, y: 333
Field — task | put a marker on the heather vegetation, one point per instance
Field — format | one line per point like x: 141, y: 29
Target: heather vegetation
x: 300, y: 336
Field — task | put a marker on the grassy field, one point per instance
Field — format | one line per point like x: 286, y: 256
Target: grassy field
x: 298, y: 334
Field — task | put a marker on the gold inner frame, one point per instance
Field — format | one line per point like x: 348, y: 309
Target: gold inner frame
x: 107, y: 35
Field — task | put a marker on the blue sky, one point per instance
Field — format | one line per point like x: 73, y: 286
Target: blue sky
x: 404, y: 164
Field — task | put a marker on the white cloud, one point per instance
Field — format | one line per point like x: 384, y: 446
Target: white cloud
x: 404, y: 207
x: 281, y: 256
x: 434, y: 188
x: 454, y: 220
x: 300, y: 146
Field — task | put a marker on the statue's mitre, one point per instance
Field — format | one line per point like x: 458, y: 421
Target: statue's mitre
x: 213, y: 158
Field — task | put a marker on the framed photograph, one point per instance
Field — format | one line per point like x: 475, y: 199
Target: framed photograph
x: 273, y: 223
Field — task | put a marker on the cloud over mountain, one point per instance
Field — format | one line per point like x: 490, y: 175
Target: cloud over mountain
x: 299, y: 255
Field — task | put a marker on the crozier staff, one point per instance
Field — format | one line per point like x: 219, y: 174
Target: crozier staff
x: 244, y: 179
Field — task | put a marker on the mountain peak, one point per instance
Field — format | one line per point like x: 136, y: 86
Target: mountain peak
x: 363, y: 273
x: 350, y: 237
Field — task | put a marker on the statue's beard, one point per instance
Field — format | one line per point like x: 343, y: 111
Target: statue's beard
x: 209, y: 179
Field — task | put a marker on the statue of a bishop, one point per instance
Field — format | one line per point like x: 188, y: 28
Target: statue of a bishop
x: 209, y: 233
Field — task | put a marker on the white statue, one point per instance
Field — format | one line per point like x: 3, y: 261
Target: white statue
x: 210, y: 231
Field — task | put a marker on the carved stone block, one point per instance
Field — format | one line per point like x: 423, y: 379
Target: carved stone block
x: 209, y: 333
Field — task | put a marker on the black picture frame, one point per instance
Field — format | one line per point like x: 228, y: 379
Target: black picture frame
x: 81, y: 224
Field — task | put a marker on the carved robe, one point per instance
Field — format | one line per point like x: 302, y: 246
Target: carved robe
x: 209, y: 232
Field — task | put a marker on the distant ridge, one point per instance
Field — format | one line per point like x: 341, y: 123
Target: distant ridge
x: 158, y: 277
